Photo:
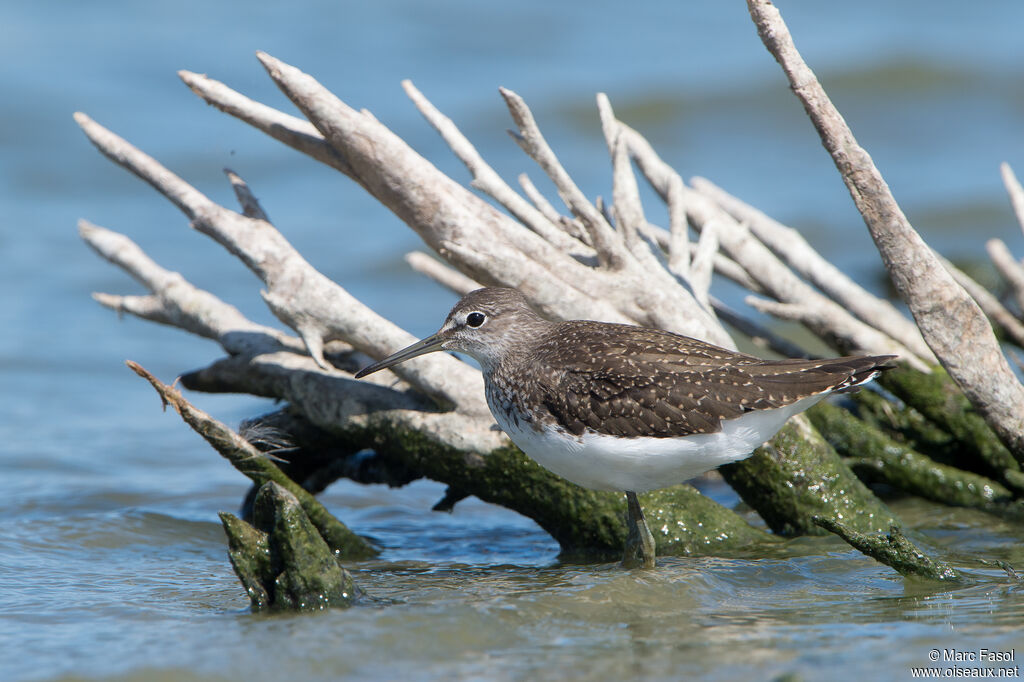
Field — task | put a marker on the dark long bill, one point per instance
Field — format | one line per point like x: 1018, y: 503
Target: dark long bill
x: 427, y: 345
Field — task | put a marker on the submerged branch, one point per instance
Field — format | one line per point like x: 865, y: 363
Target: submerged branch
x: 894, y: 550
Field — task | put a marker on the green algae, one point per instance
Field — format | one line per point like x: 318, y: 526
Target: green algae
x: 894, y: 550
x: 249, y: 553
x: 879, y: 458
x: 703, y: 528
x: 282, y: 560
x: 909, y: 427
x: 797, y: 476
x: 936, y: 396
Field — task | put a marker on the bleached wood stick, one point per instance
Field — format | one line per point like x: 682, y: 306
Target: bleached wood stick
x: 678, y: 244
x: 995, y: 310
x: 305, y: 137
x: 176, y: 302
x: 295, y: 132
x: 1008, y: 266
x: 444, y: 275
x: 267, y: 362
x: 722, y: 264
x: 569, y: 225
x: 629, y: 214
x: 824, y: 317
x: 949, y: 319
x: 610, y: 251
x: 1016, y: 192
x: 298, y: 294
x: 789, y: 245
x: 463, y: 229
x: 626, y: 204
x: 487, y: 180
x: 702, y: 264
x: 250, y: 205
x: 335, y: 402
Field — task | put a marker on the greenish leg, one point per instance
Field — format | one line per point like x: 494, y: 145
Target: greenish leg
x: 639, y: 542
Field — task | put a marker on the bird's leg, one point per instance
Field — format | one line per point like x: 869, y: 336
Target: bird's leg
x: 639, y: 542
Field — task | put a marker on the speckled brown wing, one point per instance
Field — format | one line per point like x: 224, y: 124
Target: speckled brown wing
x: 630, y: 381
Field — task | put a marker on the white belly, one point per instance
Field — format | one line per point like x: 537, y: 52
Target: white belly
x: 604, y: 462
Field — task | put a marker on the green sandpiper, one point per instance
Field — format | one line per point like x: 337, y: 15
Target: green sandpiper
x: 625, y: 408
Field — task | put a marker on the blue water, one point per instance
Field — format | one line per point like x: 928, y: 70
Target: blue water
x: 111, y: 558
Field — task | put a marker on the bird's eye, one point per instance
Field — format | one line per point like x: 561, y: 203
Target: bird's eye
x: 475, y: 319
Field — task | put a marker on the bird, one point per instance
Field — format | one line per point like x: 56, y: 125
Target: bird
x: 625, y: 408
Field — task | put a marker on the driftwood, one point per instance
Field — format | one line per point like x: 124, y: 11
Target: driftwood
x: 427, y: 417
x: 949, y: 319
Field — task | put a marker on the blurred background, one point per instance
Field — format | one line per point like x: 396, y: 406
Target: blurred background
x: 111, y: 558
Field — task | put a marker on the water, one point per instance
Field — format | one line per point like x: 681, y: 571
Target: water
x: 112, y: 563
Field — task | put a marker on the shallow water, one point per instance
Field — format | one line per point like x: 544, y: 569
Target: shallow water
x: 112, y: 562
x: 480, y: 595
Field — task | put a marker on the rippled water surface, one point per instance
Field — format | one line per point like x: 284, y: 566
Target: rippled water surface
x: 112, y: 561
x: 479, y: 595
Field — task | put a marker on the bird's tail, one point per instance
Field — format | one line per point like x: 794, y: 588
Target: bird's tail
x: 863, y: 368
